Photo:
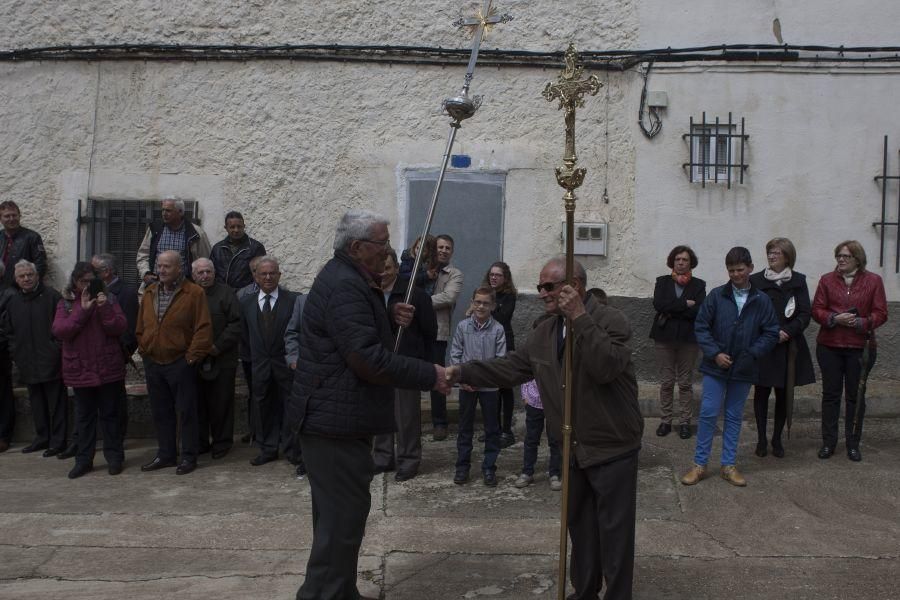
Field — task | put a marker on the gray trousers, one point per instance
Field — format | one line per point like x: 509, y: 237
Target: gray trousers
x: 340, y: 471
x: 676, y: 362
x: 408, y: 416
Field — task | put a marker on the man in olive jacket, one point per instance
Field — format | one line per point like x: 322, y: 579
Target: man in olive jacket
x: 215, y: 406
x: 606, y: 423
x: 343, y: 395
x: 174, y: 334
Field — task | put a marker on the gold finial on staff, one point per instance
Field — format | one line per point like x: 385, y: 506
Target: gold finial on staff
x: 569, y: 89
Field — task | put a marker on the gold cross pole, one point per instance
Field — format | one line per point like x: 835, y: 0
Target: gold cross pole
x: 459, y: 108
x: 569, y: 89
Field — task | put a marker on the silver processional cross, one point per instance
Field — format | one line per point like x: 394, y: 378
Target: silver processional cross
x: 459, y: 108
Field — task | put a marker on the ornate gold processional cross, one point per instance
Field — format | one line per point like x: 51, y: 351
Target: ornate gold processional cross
x: 569, y: 89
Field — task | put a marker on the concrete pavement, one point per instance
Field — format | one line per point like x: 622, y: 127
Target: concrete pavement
x: 803, y: 528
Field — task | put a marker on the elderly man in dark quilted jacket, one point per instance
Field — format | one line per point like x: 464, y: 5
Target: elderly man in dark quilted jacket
x: 343, y: 395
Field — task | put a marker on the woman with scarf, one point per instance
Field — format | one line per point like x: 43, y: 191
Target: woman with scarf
x: 850, y: 303
x: 92, y: 363
x: 677, y: 298
x: 789, y: 294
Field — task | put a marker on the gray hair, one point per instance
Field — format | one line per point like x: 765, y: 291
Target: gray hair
x: 202, y: 261
x: 24, y: 264
x: 357, y: 225
x: 578, y: 268
x: 179, y: 204
x: 267, y: 259
x: 107, y: 261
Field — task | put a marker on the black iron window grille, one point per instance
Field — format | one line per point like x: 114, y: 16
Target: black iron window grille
x: 118, y: 227
x: 716, y: 151
x: 883, y: 224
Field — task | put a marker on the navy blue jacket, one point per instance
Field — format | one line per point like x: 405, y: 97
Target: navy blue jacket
x: 346, y: 374
x: 745, y: 337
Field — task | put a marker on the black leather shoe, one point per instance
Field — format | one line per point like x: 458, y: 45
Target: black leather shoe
x: 761, y: 446
x: 34, y: 447
x: 156, y: 464
x: 507, y: 439
x: 400, y: 476
x: 185, y: 467
x: 263, y: 459
x: 217, y: 454
x: 664, y: 429
x: 204, y: 450
x: 52, y: 452
x: 69, y: 452
x: 245, y: 439
x: 80, y: 469
x: 854, y: 454
x: 826, y: 452
x: 115, y: 468
x: 684, y: 431
x: 461, y: 477
x: 490, y: 479
x: 777, y: 449
x: 383, y: 468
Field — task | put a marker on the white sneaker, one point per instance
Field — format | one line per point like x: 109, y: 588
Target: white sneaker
x: 555, y: 483
x: 524, y: 480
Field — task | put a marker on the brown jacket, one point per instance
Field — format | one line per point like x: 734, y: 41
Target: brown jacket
x: 185, y: 329
x: 606, y: 419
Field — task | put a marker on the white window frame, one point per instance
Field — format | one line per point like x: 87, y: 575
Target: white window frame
x: 712, y: 145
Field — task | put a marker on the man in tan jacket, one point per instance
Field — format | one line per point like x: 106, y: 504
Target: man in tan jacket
x: 448, y: 283
x: 606, y: 423
x: 174, y: 334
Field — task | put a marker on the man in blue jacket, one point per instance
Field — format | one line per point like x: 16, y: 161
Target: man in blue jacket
x: 736, y: 325
x: 343, y: 396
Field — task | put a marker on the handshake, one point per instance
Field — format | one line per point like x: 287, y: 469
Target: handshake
x: 445, y: 377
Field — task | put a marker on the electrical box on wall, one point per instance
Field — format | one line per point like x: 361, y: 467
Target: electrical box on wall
x: 590, y: 238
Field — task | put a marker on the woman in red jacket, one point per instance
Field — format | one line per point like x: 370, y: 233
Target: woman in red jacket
x: 850, y: 304
x: 92, y: 363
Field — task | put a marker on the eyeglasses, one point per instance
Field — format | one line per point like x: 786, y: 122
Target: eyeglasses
x: 774, y: 253
x: 549, y: 286
x: 843, y: 256
x: 381, y: 243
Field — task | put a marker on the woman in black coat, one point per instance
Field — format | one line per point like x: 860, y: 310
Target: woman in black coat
x: 499, y: 279
x: 790, y: 297
x: 677, y: 298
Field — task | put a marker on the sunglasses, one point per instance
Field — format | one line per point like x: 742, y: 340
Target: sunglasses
x: 549, y: 286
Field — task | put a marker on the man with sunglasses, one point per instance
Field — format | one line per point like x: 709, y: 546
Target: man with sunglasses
x: 606, y: 422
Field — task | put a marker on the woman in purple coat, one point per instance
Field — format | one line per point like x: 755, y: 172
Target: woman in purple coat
x: 93, y: 364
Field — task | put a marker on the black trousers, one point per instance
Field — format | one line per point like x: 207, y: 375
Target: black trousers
x: 505, y: 409
x: 173, y: 397
x: 215, y: 411
x: 270, y: 428
x: 50, y: 411
x: 761, y: 411
x: 103, y: 400
x: 7, y: 399
x: 247, y: 367
x: 408, y: 417
x: 439, y: 400
x: 841, y: 370
x: 602, y: 512
x: 340, y: 472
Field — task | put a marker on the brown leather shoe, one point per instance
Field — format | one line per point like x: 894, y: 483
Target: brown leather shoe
x: 694, y: 476
x: 730, y: 474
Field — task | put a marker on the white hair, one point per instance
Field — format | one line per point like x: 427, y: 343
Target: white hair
x: 267, y: 259
x: 179, y: 204
x: 357, y: 225
x: 23, y: 264
x: 203, y: 261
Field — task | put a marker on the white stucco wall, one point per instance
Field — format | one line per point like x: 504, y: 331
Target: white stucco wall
x: 294, y: 144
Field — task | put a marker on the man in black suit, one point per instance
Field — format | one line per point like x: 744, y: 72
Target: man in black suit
x: 265, y: 317
x: 126, y: 295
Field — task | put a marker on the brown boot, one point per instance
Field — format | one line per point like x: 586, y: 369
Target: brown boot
x: 694, y: 476
x: 732, y: 475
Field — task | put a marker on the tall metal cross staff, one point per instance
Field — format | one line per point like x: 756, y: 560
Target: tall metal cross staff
x: 459, y: 108
x: 569, y: 89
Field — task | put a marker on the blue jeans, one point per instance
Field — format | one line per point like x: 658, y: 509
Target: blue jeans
x: 717, y: 390
x: 467, y: 403
x: 534, y: 427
